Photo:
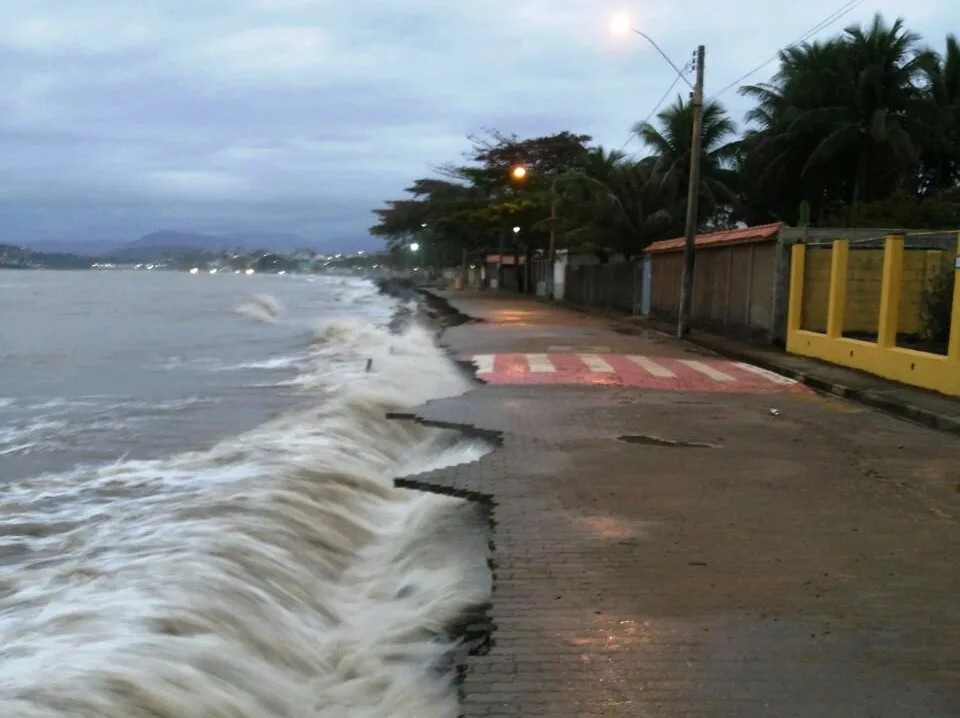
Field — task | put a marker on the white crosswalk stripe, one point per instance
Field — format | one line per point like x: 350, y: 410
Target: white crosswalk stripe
x: 651, y: 367
x: 765, y: 373
x: 595, y: 363
x: 706, y: 370
x: 540, y: 363
x: 484, y: 363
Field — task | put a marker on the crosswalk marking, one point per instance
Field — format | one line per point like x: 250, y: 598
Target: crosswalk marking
x: 595, y: 363
x: 765, y: 373
x: 484, y: 363
x: 652, y: 372
x: 706, y: 370
x: 540, y: 363
x: 649, y: 365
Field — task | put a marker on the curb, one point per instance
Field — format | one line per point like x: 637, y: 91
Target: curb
x: 869, y: 398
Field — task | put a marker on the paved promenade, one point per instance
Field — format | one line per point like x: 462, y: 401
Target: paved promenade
x: 665, y: 547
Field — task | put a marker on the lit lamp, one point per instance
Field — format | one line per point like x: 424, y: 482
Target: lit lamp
x: 620, y: 24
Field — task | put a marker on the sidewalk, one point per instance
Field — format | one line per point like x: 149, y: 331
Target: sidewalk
x: 686, y: 552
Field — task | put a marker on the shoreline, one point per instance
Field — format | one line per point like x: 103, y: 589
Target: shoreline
x: 436, y: 310
x: 471, y: 634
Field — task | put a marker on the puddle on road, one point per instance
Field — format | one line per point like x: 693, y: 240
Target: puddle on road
x: 645, y: 440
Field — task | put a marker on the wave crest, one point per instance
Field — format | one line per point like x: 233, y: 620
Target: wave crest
x: 263, y: 308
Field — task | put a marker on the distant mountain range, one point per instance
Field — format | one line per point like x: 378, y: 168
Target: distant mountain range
x: 153, y: 246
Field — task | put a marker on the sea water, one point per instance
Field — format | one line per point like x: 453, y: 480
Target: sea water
x: 197, y: 510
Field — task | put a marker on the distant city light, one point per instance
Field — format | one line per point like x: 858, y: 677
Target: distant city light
x: 414, y: 246
x: 194, y: 270
x: 250, y: 271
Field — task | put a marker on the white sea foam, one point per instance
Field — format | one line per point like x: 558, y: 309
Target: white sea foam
x: 216, y: 365
x: 279, y: 574
x: 263, y: 308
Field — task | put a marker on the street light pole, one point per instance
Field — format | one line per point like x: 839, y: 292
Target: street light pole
x: 693, y: 200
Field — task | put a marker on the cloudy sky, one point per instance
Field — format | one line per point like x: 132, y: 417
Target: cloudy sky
x: 119, y: 117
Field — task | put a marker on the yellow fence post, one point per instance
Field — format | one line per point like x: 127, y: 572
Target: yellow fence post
x: 953, y: 350
x: 892, y: 281
x: 838, y: 287
x: 798, y: 260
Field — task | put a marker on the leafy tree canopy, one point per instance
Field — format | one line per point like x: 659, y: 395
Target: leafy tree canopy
x: 863, y: 127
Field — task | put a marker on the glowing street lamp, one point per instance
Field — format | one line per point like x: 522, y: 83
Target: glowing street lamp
x: 519, y: 173
x: 414, y: 246
x: 621, y: 26
x: 516, y: 230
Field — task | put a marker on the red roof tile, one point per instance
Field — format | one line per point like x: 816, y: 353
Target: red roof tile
x: 747, y: 235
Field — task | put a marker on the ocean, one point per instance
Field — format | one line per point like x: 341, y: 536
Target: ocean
x: 197, y: 510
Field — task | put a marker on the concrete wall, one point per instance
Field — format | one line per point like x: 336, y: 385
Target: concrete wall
x: 617, y: 286
x: 733, y: 290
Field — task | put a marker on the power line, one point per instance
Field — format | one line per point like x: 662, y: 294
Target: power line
x: 664, y: 55
x: 845, y: 9
x: 660, y: 102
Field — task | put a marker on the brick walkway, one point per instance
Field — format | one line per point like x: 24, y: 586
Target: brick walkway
x: 723, y: 561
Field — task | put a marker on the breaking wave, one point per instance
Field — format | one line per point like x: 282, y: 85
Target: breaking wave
x: 263, y: 308
x: 278, y: 574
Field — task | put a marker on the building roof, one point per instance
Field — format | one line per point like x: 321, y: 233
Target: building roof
x: 747, y: 235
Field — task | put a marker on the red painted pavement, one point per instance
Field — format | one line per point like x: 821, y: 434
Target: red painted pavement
x: 675, y: 374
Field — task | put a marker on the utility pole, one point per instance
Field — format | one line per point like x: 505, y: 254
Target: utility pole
x: 500, y: 250
x: 693, y: 199
x: 552, y: 253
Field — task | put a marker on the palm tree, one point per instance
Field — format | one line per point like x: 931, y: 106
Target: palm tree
x: 614, y: 204
x: 669, y: 162
x: 784, y: 133
x: 878, y: 122
x: 940, y: 148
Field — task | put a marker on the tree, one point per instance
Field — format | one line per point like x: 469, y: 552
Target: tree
x: 864, y: 126
x: 940, y: 147
x: 671, y: 151
x: 842, y: 122
x: 612, y: 203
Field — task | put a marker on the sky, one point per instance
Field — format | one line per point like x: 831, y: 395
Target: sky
x: 121, y: 117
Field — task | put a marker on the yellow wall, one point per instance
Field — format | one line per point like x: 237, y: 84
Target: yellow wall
x: 901, y: 280
x: 864, y: 279
x: 816, y: 288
